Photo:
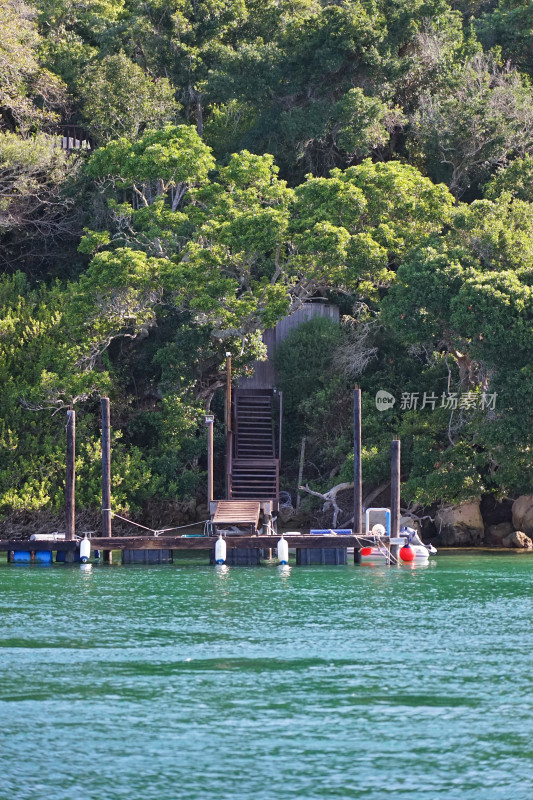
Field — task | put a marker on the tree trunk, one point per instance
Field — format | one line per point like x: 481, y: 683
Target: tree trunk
x: 199, y: 115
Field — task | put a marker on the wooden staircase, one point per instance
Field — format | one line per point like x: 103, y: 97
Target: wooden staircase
x: 255, y: 471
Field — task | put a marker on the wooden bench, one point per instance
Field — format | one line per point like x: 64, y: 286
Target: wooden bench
x: 237, y: 513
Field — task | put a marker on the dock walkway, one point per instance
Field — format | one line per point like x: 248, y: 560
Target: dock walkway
x: 194, y: 542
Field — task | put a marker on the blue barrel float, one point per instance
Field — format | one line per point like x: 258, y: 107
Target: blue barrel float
x: 323, y: 555
x: 25, y: 557
x: 21, y: 557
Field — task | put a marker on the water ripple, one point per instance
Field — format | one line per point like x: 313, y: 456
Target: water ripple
x: 340, y: 682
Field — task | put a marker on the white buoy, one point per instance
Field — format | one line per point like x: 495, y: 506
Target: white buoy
x: 283, y: 551
x: 220, y: 550
x: 85, y: 550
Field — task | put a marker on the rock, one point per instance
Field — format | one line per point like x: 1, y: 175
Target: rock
x: 301, y: 519
x: 188, y: 510
x: 286, y: 514
x: 460, y: 526
x: 497, y: 533
x: 518, y: 539
x: 523, y: 514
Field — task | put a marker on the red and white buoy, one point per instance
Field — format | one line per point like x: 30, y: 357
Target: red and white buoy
x: 407, y: 554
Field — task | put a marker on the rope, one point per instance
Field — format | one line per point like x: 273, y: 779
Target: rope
x: 155, y: 531
x: 206, y: 523
x: 270, y: 528
x: 387, y: 553
x: 382, y: 549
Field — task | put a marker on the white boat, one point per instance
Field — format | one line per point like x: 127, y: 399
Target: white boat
x: 413, y: 542
x: 413, y: 549
x: 379, y: 554
x: 374, y: 555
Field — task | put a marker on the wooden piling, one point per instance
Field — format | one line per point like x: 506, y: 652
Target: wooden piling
x: 209, y: 421
x: 106, y: 474
x: 357, y: 468
x: 395, y: 498
x: 229, y: 432
x: 280, y: 428
x: 301, y: 471
x: 70, y: 487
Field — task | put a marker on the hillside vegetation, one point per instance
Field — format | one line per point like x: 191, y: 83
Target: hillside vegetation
x: 240, y: 157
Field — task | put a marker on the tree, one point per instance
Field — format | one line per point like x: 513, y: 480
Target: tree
x: 476, y: 124
x: 302, y: 171
x: 120, y: 100
x: 242, y: 249
x: 225, y: 251
x: 509, y: 26
x: 29, y: 95
x: 171, y: 159
x: 515, y: 179
x: 468, y: 298
x: 32, y: 173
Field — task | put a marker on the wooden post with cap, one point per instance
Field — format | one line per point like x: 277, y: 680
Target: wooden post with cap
x: 229, y: 432
x: 357, y: 467
x: 209, y: 420
x: 357, y: 471
x: 395, y: 498
x: 70, y: 486
x: 106, y: 474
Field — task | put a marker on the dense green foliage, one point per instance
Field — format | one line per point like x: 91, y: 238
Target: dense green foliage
x: 250, y: 156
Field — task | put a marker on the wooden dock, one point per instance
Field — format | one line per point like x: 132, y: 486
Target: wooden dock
x: 193, y: 542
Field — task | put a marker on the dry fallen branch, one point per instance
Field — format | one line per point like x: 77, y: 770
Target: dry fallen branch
x: 329, y: 498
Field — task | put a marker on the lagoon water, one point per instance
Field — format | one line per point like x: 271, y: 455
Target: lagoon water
x: 202, y: 683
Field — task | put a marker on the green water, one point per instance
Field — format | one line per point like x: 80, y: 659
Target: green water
x: 203, y: 683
